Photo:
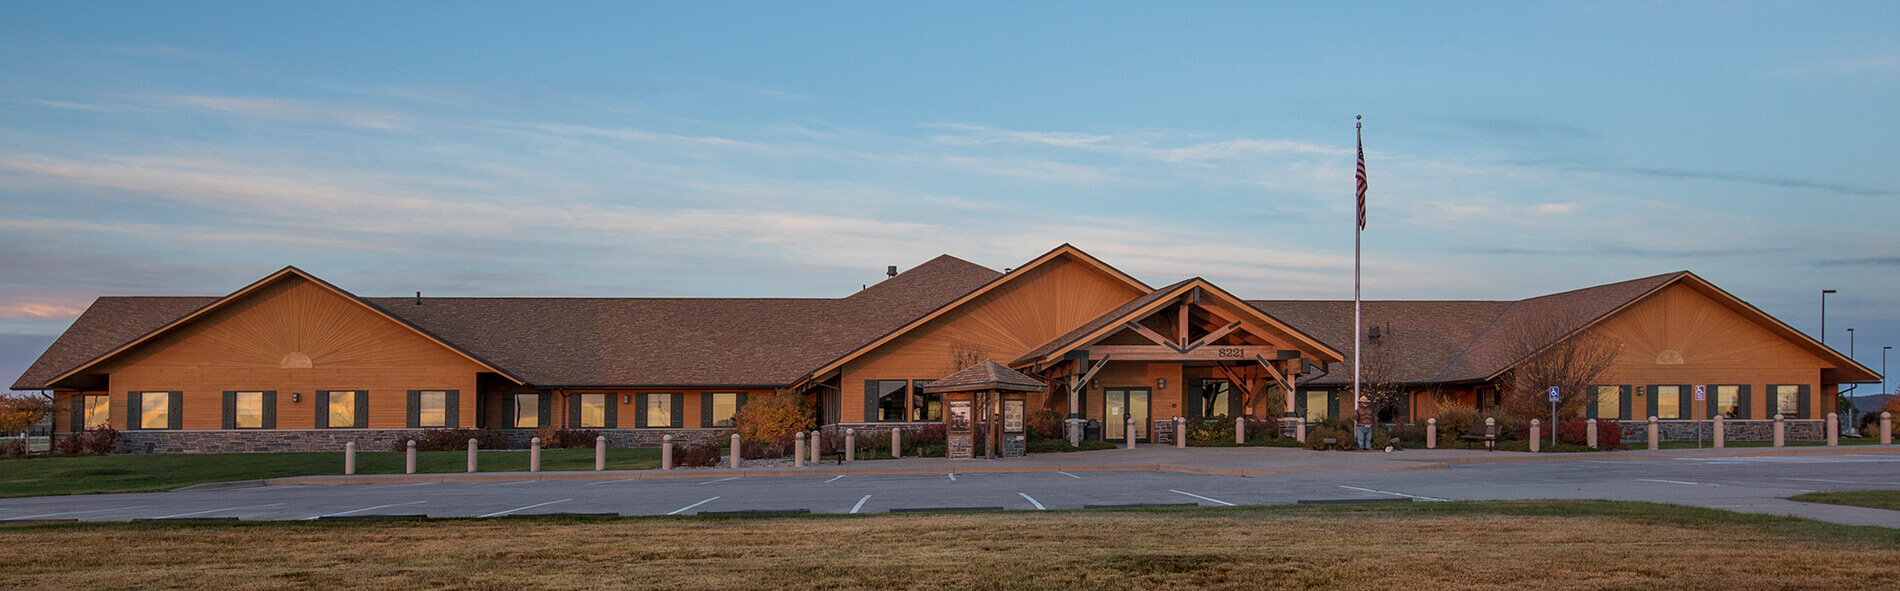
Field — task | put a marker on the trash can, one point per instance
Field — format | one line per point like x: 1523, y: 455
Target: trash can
x: 1092, y: 431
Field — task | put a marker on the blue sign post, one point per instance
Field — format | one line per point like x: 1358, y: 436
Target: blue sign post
x: 1553, y: 418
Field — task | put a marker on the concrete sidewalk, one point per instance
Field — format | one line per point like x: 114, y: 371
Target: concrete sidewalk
x: 1240, y: 461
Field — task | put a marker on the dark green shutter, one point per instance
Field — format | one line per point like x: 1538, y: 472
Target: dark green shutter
x: 230, y: 409
x: 323, y: 408
x: 1649, y: 395
x: 175, y: 410
x: 1802, y: 396
x: 1299, y: 404
x: 1332, y: 404
x: 452, y: 409
x: 415, y: 409
x: 870, y: 401
x: 1193, y: 395
x: 133, y: 407
x: 613, y: 411
x: 270, y: 409
x: 573, y: 402
x: 1772, y: 401
x: 1685, y: 401
x: 1741, y: 403
x: 362, y: 409
x: 705, y: 409
x: 640, y: 410
x: 1405, y: 406
x: 1625, y: 398
x: 736, y: 405
x: 1233, y: 401
x: 1590, y: 410
x: 79, y: 414
x: 544, y: 407
x: 679, y: 410
x: 1711, y: 395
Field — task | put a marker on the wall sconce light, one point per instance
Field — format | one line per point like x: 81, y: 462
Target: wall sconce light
x: 295, y: 397
x: 1161, y: 383
x: 626, y: 399
x: 1095, y: 383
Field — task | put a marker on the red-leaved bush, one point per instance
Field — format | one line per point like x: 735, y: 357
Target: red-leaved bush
x: 1609, y: 434
x: 1045, y: 424
x: 704, y: 454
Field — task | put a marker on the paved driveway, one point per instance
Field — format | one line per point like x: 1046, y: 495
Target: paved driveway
x: 1736, y: 479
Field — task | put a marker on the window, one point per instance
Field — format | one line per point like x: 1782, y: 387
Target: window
x: 154, y: 410
x: 1728, y: 401
x: 1788, y: 401
x: 1316, y: 405
x: 248, y: 410
x: 724, y: 406
x: 1667, y: 400
x: 1609, y: 402
x: 1212, y: 398
x: 432, y: 408
x: 924, y: 407
x: 527, y: 411
x: 98, y: 411
x: 594, y: 411
x: 342, y: 410
x: 659, y: 410
x: 890, y: 398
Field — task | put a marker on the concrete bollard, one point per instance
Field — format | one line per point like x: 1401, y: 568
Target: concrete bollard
x: 534, y: 455
x: 798, y: 450
x: 1781, y: 432
x: 409, y: 459
x: 1886, y: 428
x: 1240, y: 430
x: 1655, y: 434
x: 600, y: 453
x: 897, y: 442
x: 1590, y: 432
x: 349, y: 458
x: 471, y: 455
x: 1537, y: 438
x: 735, y: 450
x: 1721, y: 436
x: 815, y: 447
x: 1129, y: 433
x: 666, y: 452
x: 1299, y: 430
x: 1431, y: 433
x: 1833, y: 429
x: 850, y: 445
x: 1075, y: 431
x: 1180, y: 433
x: 1489, y: 423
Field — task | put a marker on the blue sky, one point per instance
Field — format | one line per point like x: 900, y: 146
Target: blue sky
x: 795, y: 149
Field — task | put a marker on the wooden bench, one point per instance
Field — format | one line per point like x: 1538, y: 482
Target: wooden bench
x: 1482, y: 432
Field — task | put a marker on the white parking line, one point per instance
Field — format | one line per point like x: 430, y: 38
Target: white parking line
x: 834, y: 479
x: 501, y: 513
x: 719, y: 480
x: 215, y: 511
x: 953, y: 477
x: 1201, y: 497
x: 1671, y: 482
x: 1032, y: 501
x: 860, y: 505
x: 1068, y: 475
x: 1384, y: 492
x: 502, y: 484
x: 683, y: 509
x: 608, y: 482
x: 363, y: 509
x: 78, y: 512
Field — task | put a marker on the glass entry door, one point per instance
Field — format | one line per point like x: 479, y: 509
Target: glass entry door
x: 1121, y: 404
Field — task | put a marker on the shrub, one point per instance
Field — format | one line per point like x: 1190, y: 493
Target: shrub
x: 1454, y: 420
x: 1044, y: 446
x: 1095, y: 444
x: 873, y: 440
x: 454, y: 440
x: 1214, y: 428
x: 772, y: 417
x: 1412, y: 432
x: 102, y: 441
x: 1045, y: 424
x: 12, y: 448
x: 935, y: 434
x: 1317, y: 436
x: 70, y: 445
x: 1263, y: 429
x: 704, y: 454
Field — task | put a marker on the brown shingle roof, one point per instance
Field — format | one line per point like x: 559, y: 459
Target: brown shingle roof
x: 600, y: 341
x: 988, y: 375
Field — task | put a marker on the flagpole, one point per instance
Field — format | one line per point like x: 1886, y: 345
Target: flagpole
x: 1358, y: 227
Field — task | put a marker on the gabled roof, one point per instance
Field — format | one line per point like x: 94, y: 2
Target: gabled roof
x: 286, y: 274
x: 988, y: 375
x: 1065, y: 250
x: 1139, y: 308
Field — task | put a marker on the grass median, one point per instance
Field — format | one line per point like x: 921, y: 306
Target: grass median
x: 1875, y: 499
x: 61, y: 475
x: 1449, y: 546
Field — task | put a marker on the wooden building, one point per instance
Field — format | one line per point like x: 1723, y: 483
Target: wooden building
x: 292, y: 362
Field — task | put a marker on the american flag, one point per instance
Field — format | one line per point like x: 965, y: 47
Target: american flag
x: 1362, y: 182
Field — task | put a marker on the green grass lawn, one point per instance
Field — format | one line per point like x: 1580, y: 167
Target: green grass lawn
x: 1875, y: 499
x: 61, y: 475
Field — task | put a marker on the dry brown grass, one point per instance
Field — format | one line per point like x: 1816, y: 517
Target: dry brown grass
x: 1526, y: 546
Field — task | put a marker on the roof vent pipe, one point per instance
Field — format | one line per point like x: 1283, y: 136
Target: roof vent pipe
x: 418, y: 299
x: 890, y: 271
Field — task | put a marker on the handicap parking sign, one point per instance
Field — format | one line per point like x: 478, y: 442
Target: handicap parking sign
x: 1553, y: 393
x: 1701, y: 392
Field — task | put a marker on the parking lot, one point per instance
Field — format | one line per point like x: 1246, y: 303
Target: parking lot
x: 1742, y: 482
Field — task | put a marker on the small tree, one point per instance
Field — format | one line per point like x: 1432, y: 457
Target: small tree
x: 766, y: 419
x: 20, y: 411
x: 1379, y: 376
x: 1548, y: 358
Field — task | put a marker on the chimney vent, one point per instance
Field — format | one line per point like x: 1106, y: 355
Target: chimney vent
x: 418, y: 299
x: 890, y: 271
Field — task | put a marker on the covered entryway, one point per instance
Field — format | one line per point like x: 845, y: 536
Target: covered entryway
x: 1121, y: 404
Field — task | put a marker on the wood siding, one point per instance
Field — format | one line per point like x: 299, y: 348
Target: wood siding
x: 294, y: 337
x: 1004, y: 324
x: 1682, y: 337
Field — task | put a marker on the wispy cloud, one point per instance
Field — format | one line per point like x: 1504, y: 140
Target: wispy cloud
x: 1661, y: 172
x: 1893, y: 261
x: 1857, y: 65
x: 308, y: 111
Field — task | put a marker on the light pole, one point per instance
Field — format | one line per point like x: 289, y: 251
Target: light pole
x: 1883, y: 370
x: 1824, y: 293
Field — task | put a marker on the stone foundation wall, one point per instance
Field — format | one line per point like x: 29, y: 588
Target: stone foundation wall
x: 624, y: 438
x: 292, y: 440
x: 1732, y: 430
